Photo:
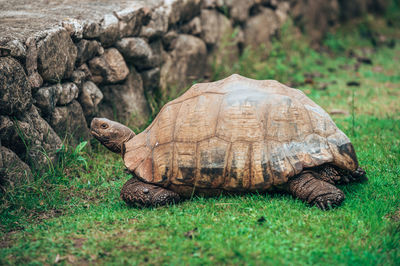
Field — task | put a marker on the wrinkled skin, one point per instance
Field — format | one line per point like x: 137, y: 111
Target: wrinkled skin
x: 110, y: 133
x: 316, y: 186
x: 140, y: 194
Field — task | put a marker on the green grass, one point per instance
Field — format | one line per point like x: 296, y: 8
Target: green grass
x: 73, y: 213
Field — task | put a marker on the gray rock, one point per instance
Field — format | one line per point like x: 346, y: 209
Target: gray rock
x: 183, y: 65
x: 31, y: 138
x: 45, y: 142
x: 78, y: 77
x: 193, y: 27
x: 355, y: 8
x: 212, y: 4
x: 89, y: 98
x: 316, y: 16
x: 13, y: 171
x: 269, y: 3
x: 151, y: 79
x: 181, y: 10
x: 74, y: 28
x: 109, y: 30
x: 69, y: 122
x: 282, y: 11
x: 131, y: 19
x: 85, y: 69
x: 56, y: 56
x: 214, y: 26
x: 138, y: 52
x: 220, y: 37
x: 126, y: 102
x: 169, y: 40
x: 134, y: 48
x: 35, y: 80
x: 157, y: 49
x: 68, y: 93
x: 260, y: 28
x: 31, y: 56
x: 91, y: 30
x: 15, y: 91
x: 46, y: 98
x: 108, y: 68
x: 239, y: 9
x: 157, y: 26
x: 17, y: 49
x: 87, y: 50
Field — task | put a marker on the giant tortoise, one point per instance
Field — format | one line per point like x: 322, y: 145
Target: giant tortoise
x: 236, y: 135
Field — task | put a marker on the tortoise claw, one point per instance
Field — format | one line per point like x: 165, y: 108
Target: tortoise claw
x: 329, y: 204
x: 346, y: 180
x: 320, y: 205
x: 359, y: 175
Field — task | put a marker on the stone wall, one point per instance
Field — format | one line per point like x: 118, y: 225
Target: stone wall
x: 54, y: 81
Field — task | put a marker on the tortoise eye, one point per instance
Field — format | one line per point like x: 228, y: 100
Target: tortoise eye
x: 104, y: 126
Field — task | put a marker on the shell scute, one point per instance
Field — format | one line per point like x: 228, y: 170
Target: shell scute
x: 136, y: 151
x: 238, y: 170
x: 320, y: 120
x: 239, y: 119
x: 278, y: 162
x: 162, y: 163
x: 212, y: 157
x: 258, y: 175
x: 342, y: 151
x: 185, y: 165
x: 199, y: 112
x: 163, y: 129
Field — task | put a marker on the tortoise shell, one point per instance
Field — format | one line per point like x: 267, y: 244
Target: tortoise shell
x: 237, y: 134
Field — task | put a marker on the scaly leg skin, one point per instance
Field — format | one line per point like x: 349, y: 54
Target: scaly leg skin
x: 315, y: 191
x: 334, y: 175
x: 140, y: 194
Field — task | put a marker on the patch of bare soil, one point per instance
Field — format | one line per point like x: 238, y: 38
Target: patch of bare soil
x: 396, y: 216
x: 78, y: 242
x: 6, y: 240
x: 49, y: 214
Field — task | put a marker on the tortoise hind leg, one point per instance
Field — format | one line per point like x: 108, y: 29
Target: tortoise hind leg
x: 315, y: 191
x: 334, y: 175
x: 140, y: 194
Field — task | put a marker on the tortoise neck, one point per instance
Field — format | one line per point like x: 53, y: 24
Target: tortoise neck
x: 130, y: 136
x: 118, y: 146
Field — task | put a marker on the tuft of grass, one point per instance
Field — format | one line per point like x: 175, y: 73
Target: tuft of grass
x: 73, y: 213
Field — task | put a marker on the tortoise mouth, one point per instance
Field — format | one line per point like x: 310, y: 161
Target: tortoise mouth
x: 94, y: 133
x: 97, y: 135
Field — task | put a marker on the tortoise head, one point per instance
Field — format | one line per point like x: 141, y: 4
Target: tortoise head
x: 111, y: 134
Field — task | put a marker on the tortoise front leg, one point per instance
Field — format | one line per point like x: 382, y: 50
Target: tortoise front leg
x: 315, y: 191
x: 140, y: 194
